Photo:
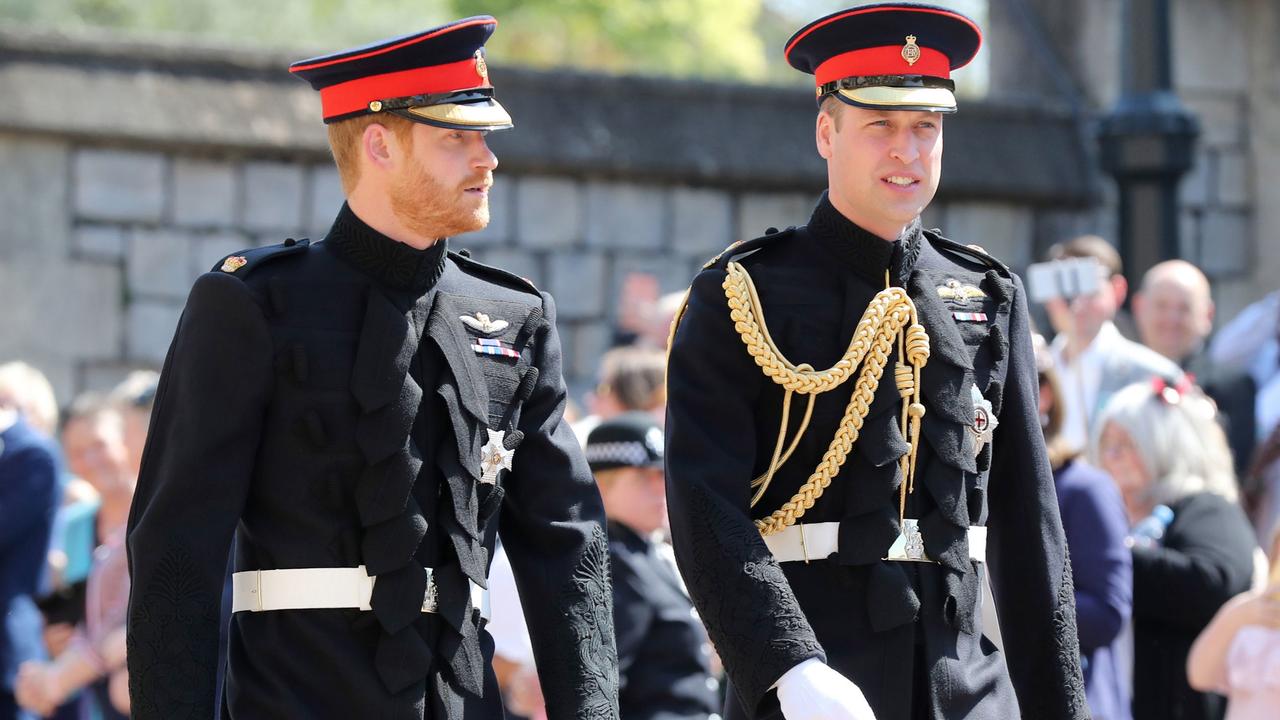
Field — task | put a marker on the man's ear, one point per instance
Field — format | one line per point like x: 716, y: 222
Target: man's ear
x: 823, y: 130
x: 379, y: 146
x: 1121, y: 288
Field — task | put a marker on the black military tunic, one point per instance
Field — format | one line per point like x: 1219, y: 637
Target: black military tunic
x: 327, y: 405
x: 908, y: 634
x: 663, y: 657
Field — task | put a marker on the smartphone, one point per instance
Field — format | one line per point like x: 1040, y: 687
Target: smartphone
x: 1064, y: 279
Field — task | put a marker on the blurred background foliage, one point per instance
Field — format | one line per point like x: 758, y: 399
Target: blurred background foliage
x: 736, y: 40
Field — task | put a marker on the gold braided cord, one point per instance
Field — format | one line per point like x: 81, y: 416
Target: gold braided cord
x: 889, y: 313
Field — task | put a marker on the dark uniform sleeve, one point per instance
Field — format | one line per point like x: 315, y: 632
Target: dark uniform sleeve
x: 553, y: 530
x: 1027, y: 552
x: 196, y: 471
x: 744, y: 599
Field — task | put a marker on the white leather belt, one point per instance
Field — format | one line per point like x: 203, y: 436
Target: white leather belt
x: 323, y: 589
x: 815, y: 541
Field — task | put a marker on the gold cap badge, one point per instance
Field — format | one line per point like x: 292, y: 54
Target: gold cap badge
x: 482, y: 68
x: 911, y: 51
x: 375, y: 106
x: 234, y: 263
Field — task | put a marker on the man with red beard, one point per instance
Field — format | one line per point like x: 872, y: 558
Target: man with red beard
x: 356, y: 412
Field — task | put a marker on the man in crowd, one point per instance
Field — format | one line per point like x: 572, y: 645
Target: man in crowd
x: 664, y: 670
x: 852, y: 406
x: 357, y: 412
x: 1173, y: 310
x: 1093, y: 359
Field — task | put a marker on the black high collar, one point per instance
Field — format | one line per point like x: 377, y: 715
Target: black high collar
x: 866, y: 254
x: 389, y: 263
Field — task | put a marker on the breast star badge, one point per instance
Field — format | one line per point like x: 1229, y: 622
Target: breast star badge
x: 494, y: 457
x: 234, y: 263
x: 984, y: 421
x: 483, y: 324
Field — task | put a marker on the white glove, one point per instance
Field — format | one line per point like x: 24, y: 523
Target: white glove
x: 813, y: 691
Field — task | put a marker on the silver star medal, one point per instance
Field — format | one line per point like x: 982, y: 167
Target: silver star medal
x: 494, y: 457
x: 984, y: 421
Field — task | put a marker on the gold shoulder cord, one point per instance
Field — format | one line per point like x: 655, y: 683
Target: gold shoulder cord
x: 891, y: 316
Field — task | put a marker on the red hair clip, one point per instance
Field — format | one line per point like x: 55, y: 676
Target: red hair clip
x: 1171, y: 394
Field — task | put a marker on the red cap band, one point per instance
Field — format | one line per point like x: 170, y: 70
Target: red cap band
x: 355, y: 95
x: 884, y: 60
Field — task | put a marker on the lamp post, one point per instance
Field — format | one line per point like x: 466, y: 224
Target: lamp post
x: 1147, y: 139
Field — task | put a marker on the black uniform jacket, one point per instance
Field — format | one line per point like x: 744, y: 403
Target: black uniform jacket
x: 888, y: 626
x: 325, y: 404
x: 664, y: 668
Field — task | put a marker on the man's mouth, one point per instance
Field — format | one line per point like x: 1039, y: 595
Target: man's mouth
x: 900, y: 180
x: 480, y: 187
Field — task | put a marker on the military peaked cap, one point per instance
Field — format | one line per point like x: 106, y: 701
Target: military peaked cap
x: 437, y: 76
x: 889, y: 56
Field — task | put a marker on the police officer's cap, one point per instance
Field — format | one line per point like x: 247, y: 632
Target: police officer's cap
x: 888, y: 56
x: 631, y: 439
x: 437, y: 76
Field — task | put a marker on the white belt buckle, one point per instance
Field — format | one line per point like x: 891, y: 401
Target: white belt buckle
x: 909, y: 545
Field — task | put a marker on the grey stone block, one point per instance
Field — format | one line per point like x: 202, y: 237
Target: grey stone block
x: 548, y: 212
x: 585, y: 343
x: 1005, y: 231
x: 159, y: 263
x: 324, y: 199
x: 1194, y: 188
x: 626, y: 215
x: 57, y: 314
x: 1225, y: 243
x: 99, y: 242
x: 119, y: 185
x: 577, y: 280
x: 1223, y: 116
x: 1209, y: 36
x: 759, y: 211
x: 204, y: 193
x: 1233, y: 179
x: 206, y: 250
x: 151, y: 325
x: 517, y: 262
x: 34, y: 186
x: 702, y: 221
x: 273, y: 195
x: 104, y: 376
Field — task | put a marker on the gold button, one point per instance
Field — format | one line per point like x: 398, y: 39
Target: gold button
x: 375, y: 106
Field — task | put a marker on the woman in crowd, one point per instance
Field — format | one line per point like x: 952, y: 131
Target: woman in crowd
x: 96, y: 450
x: 1095, y: 525
x: 1192, y: 545
x: 1238, y: 655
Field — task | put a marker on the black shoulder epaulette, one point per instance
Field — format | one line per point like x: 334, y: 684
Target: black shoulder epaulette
x: 241, y: 263
x: 464, y: 260
x: 742, y: 247
x: 972, y: 253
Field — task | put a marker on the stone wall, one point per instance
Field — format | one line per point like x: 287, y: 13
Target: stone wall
x: 129, y: 168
